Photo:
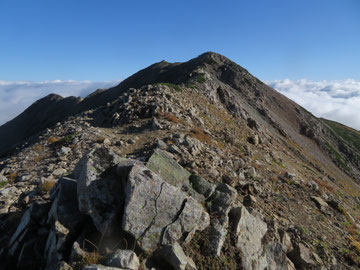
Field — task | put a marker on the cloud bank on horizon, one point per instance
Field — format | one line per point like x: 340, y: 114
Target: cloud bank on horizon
x: 334, y: 100
x: 15, y: 97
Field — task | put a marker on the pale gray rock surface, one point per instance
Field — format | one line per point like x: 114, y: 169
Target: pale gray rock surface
x: 301, y: 256
x: 219, y: 204
x: 124, y: 259
x: 101, y: 267
x: 175, y: 256
x: 152, y: 206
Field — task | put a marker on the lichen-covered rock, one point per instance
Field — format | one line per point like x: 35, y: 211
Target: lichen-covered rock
x: 152, y: 207
x: 168, y: 169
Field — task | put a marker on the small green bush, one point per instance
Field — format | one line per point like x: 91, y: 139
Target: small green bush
x: 3, y: 184
x: 201, y: 78
x: 173, y: 86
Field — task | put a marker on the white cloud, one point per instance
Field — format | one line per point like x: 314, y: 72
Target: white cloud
x: 335, y: 100
x: 15, y: 97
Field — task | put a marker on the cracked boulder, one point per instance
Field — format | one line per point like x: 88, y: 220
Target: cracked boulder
x: 99, y: 186
x: 157, y: 212
x: 250, y: 231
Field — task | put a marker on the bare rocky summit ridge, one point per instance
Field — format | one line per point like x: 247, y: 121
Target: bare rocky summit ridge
x: 195, y: 165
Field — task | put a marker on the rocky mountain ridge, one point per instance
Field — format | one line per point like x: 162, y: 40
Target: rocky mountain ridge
x: 194, y: 165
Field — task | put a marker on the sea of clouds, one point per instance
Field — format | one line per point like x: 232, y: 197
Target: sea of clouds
x: 15, y: 97
x: 335, y: 100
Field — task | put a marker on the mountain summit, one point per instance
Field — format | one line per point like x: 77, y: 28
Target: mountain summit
x: 195, y: 165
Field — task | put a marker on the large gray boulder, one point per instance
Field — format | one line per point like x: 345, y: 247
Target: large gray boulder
x: 156, y: 211
x: 255, y: 254
x: 250, y: 231
x: 99, y: 186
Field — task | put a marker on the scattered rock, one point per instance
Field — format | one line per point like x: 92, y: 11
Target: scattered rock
x: 201, y: 186
x: 320, y: 203
x: 254, y: 139
x: 99, y: 267
x: 175, y: 256
x: 249, y: 201
x: 59, y: 172
x: 301, y: 256
x: 64, y: 151
x: 124, y: 259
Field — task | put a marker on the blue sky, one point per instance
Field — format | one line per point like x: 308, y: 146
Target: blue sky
x: 306, y: 49
x: 108, y: 40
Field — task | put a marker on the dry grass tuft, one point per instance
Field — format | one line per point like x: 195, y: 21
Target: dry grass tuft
x: 12, y: 176
x: 46, y: 186
x: 93, y: 257
x: 37, y: 148
x: 52, y: 140
x: 170, y: 117
x: 38, y: 158
x: 323, y: 185
x: 100, y: 139
x: 200, y: 135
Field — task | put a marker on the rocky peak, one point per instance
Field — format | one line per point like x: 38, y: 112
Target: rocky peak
x: 194, y: 165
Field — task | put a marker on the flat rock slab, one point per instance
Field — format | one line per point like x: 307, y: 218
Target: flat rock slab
x: 153, y: 207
